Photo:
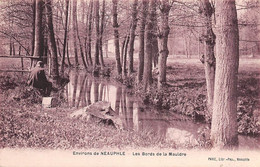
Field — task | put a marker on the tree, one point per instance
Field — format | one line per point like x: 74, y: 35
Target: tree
x: 54, y: 56
x: 141, y: 40
x: 116, y: 37
x: 249, y: 27
x: 80, y: 45
x: 124, y: 54
x: 101, y: 33
x: 147, y: 77
x: 74, y: 25
x: 163, y: 39
x: 96, y: 4
x: 155, y: 56
x: 209, y: 58
x: 33, y: 26
x: 65, y: 34
x: 132, y: 37
x: 39, y: 41
x: 88, y: 55
x: 224, y: 118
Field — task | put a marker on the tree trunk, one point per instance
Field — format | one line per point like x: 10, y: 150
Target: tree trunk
x: 68, y: 36
x: 65, y: 35
x: 209, y: 57
x: 125, y: 55
x: 45, y: 52
x: 38, y: 43
x: 68, y: 54
x: 141, y: 40
x: 90, y: 32
x: 116, y: 37
x: 106, y: 48
x: 10, y: 47
x: 123, y: 49
x: 155, y: 48
x: 186, y: 47
x: 33, y: 26
x: 163, y: 39
x: 132, y: 38
x: 101, y: 34
x: 54, y: 55
x: 80, y: 45
x: 155, y: 52
x: 224, y: 119
x: 58, y: 46
x: 96, y: 4
x: 74, y: 15
x: 147, y: 78
x: 13, y: 48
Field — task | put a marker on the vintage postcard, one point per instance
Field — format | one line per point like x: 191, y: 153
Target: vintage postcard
x: 156, y: 83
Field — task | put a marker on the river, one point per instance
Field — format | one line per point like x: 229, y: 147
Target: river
x: 83, y: 90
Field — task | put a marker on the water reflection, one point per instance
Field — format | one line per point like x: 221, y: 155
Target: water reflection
x: 85, y: 89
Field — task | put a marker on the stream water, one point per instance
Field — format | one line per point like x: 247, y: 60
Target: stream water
x: 83, y: 90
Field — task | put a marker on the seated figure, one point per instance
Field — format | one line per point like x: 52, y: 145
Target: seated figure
x: 37, y: 79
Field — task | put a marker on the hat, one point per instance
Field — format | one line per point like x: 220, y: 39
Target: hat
x: 39, y: 64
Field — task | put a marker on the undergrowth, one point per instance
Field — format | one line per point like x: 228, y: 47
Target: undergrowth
x: 25, y: 124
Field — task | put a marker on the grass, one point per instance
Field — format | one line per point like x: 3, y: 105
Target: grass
x: 31, y: 127
x: 24, y: 124
x: 186, y: 93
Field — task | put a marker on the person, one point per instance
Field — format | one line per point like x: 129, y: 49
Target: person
x: 37, y: 79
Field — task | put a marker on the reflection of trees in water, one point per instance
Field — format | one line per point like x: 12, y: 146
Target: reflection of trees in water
x: 84, y: 99
x: 81, y: 90
x: 101, y: 91
x: 75, y: 88
x: 118, y: 99
x: 126, y: 112
x: 65, y: 91
x: 96, y: 86
x: 123, y: 110
x: 131, y: 113
x: 136, y: 117
x: 88, y: 91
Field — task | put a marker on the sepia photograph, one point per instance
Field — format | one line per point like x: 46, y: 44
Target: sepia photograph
x: 106, y: 83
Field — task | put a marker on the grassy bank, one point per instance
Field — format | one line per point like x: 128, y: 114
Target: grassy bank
x: 25, y: 124
x: 185, y: 92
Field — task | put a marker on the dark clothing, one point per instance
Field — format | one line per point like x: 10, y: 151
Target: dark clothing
x: 38, y: 80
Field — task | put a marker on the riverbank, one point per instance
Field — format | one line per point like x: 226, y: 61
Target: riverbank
x: 185, y: 92
x: 25, y: 124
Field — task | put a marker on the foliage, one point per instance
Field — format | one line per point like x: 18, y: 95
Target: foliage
x: 188, y: 97
x: 248, y: 106
x: 55, y: 129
